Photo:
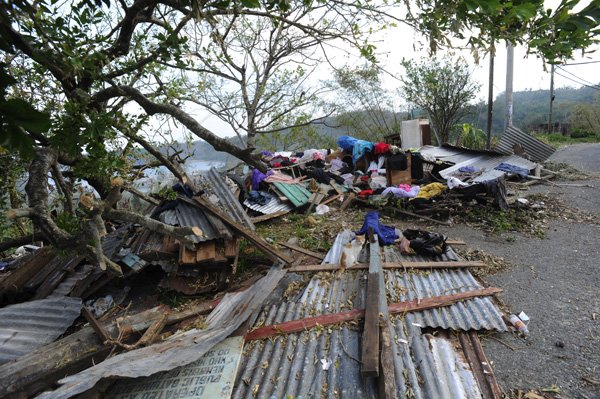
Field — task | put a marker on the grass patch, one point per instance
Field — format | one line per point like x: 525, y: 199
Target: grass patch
x: 557, y: 140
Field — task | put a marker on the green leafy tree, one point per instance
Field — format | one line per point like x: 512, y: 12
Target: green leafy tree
x: 585, y: 118
x: 443, y: 88
x: 102, y: 72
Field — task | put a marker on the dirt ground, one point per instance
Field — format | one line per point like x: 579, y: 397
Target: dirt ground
x: 555, y: 280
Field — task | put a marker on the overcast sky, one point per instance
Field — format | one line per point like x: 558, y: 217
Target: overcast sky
x: 398, y: 43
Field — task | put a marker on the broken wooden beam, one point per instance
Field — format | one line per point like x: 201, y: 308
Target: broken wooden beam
x: 251, y: 236
x: 347, y: 201
x: 264, y: 218
x: 97, y: 327
x: 331, y: 199
x: 356, y: 314
x: 24, y: 269
x: 328, y: 267
x: 407, y: 213
x: 373, y: 309
x: 40, y: 369
x: 302, y: 250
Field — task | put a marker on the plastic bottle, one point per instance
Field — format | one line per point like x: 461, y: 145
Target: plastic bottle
x: 519, y: 325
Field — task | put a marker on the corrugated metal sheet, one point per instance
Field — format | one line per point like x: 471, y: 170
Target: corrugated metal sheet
x: 296, y: 193
x: 483, y: 160
x: 179, y: 349
x: 219, y: 187
x: 533, y: 147
x: 185, y: 214
x: 65, y: 287
x: 273, y: 206
x: 27, y: 326
x: 425, y: 366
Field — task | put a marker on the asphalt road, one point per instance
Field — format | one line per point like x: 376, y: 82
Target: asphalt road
x: 556, y: 282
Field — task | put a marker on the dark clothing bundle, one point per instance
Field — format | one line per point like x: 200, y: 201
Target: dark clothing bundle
x: 495, y: 188
x: 425, y: 242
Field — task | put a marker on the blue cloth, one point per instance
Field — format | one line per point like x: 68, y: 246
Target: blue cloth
x: 467, y: 169
x: 346, y: 143
x: 360, y: 147
x: 387, y: 234
x: 506, y: 167
x: 259, y: 197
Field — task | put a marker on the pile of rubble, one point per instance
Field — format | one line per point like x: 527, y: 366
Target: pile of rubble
x: 390, y: 314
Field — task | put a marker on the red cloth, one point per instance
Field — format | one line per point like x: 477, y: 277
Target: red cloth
x: 381, y: 148
x: 365, y: 193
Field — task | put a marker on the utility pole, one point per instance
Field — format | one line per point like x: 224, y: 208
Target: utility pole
x: 490, y: 100
x: 551, y: 99
x: 510, y: 58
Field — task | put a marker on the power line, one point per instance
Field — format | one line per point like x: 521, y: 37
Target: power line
x: 581, y: 63
x: 577, y: 77
x: 573, y: 80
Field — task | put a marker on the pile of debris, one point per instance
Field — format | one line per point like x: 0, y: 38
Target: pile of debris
x: 391, y: 314
x: 425, y: 183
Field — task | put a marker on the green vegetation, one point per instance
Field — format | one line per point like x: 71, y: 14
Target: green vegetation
x: 557, y: 140
x: 441, y: 87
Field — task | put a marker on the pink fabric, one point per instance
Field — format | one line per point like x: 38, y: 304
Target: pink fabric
x: 277, y: 176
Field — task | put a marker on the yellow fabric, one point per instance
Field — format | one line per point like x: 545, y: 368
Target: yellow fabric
x: 431, y: 190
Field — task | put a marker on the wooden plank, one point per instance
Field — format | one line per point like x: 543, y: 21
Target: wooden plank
x: 40, y: 369
x: 333, y: 184
x: 254, y: 238
x: 331, y: 199
x: 264, y: 218
x: 387, y: 382
x: 347, y: 201
x: 370, y: 337
x: 389, y: 265
x: 23, y: 270
x: 302, y: 250
x: 186, y: 255
x: 98, y: 329
x: 305, y: 324
x: 356, y: 314
x: 407, y: 213
x: 206, y: 252
x: 231, y: 247
x: 315, y: 199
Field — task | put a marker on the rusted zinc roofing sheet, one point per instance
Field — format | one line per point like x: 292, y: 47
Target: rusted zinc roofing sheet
x: 477, y: 313
x: 179, y: 349
x: 425, y: 366
x: 27, y: 326
x: 296, y: 192
x: 273, y: 206
x: 486, y: 161
x: 533, y: 147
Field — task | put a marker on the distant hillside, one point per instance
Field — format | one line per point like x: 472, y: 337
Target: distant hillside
x: 530, y: 108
